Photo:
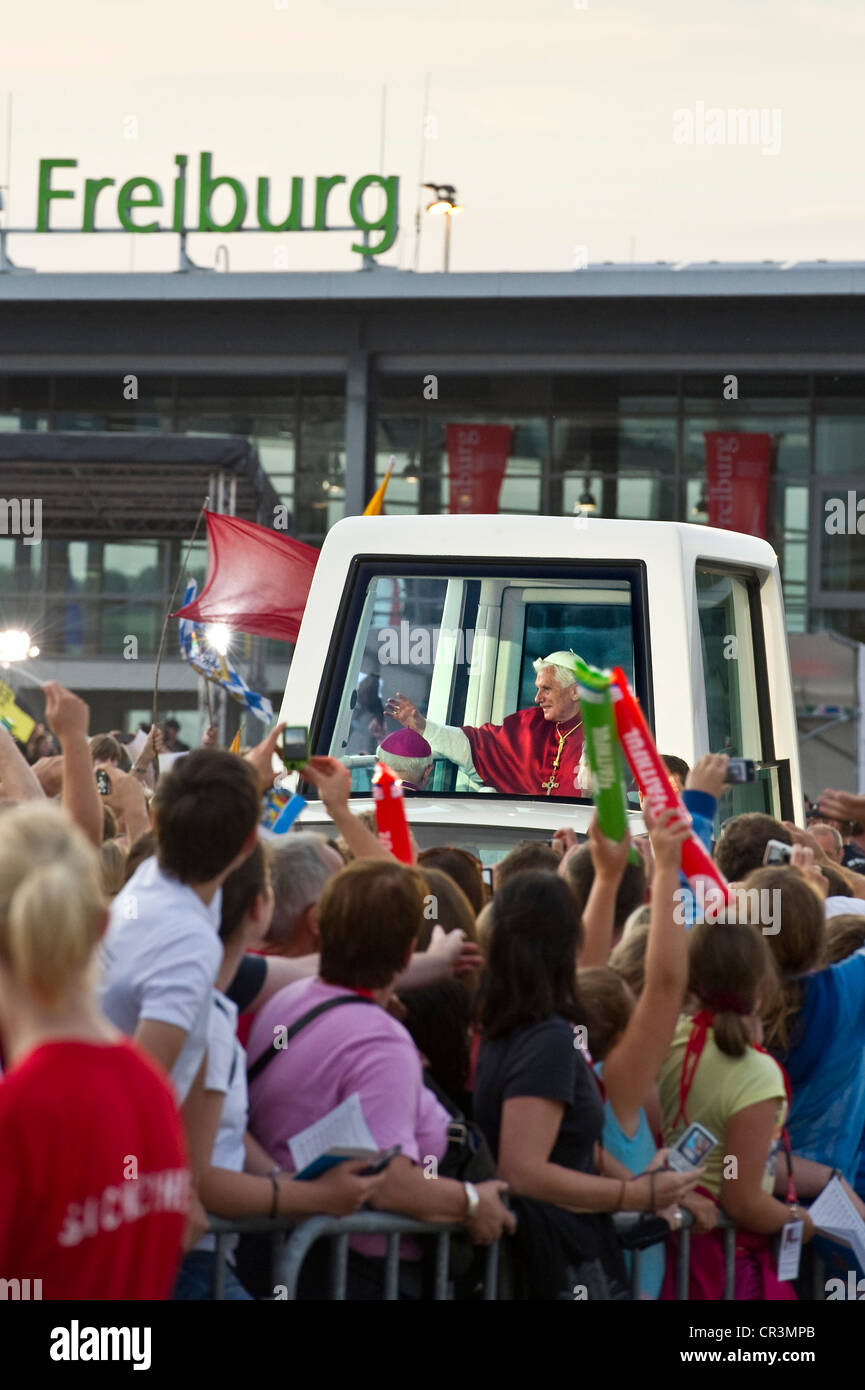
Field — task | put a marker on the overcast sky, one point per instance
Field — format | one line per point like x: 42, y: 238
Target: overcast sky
x: 555, y: 123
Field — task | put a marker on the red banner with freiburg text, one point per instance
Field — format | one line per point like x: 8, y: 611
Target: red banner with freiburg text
x: 477, y: 459
x: 737, y: 480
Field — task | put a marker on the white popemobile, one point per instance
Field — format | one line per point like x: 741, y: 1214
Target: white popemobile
x: 448, y: 620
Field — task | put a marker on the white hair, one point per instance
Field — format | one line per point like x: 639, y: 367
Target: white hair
x: 299, y: 873
x: 409, y: 769
x: 562, y: 675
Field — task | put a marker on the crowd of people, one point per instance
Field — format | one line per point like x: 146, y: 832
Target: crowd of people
x: 179, y: 1000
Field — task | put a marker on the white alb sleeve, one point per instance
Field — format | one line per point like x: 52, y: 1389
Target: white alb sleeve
x: 451, y: 743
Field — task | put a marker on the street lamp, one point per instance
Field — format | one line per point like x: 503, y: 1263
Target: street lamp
x: 701, y: 506
x: 586, y: 502
x: 444, y: 204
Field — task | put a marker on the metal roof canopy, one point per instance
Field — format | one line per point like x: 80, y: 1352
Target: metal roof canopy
x: 126, y: 484
x: 659, y: 279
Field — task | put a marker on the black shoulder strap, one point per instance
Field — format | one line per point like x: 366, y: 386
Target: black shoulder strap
x: 266, y: 1057
x: 442, y: 1097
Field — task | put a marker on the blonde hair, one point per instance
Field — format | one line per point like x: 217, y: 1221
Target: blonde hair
x: 628, y: 958
x: 112, y: 866
x: 51, y: 900
x: 639, y: 919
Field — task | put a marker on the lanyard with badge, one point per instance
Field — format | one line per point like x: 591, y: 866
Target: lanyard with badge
x: 789, y: 1238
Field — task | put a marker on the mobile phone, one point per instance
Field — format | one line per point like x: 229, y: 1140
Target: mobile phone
x: 741, y: 770
x: 379, y: 1164
x: 692, y: 1148
x: 777, y: 853
x: 487, y: 876
x: 294, y: 749
x: 103, y: 782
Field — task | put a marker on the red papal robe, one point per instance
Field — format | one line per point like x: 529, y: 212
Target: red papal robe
x: 517, y: 756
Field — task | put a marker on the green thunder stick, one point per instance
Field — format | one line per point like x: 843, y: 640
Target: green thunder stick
x: 602, y: 747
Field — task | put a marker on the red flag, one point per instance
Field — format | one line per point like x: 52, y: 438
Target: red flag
x: 477, y: 459
x: 257, y: 580
x: 737, y: 473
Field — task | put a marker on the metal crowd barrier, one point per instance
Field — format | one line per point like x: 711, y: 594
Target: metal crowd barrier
x: 289, y: 1255
x: 625, y: 1221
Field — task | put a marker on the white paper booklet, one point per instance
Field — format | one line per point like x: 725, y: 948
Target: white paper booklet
x: 344, y: 1128
x: 834, y: 1214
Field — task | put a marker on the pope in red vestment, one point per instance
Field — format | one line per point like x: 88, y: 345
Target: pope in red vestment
x: 535, y: 752
x: 518, y: 755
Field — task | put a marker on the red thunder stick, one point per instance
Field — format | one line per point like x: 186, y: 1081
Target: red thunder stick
x: 390, y: 813
x: 654, y: 782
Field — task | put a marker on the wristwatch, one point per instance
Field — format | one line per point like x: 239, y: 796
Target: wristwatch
x: 473, y: 1199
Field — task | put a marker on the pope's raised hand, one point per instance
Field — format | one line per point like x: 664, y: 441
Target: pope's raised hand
x: 405, y: 712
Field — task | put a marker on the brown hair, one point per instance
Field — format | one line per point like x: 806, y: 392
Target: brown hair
x: 607, y: 1003
x: 628, y: 959
x: 109, y: 823
x: 528, y: 854
x: 369, y: 916
x: 450, y: 908
x: 676, y: 767
x: 844, y: 935
x: 531, y: 969
x: 840, y: 884
x: 462, y: 867
x: 205, y: 809
x: 104, y: 748
x: 240, y: 890
x: 728, y: 966
x: 142, y: 848
x: 578, y: 871
x: 797, y: 946
x: 742, y: 843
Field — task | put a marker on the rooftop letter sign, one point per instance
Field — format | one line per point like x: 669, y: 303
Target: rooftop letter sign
x: 137, y: 200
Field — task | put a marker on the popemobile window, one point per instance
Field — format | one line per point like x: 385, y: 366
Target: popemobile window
x: 467, y: 683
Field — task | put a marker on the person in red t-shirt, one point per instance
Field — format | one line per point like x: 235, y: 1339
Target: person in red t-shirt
x: 94, y: 1184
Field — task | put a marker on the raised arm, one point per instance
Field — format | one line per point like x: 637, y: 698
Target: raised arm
x: 841, y: 805
x: 262, y: 755
x: 608, y: 860
x: 18, y: 781
x: 68, y: 717
x: 633, y: 1065
x: 333, y: 782
x: 448, y: 955
x: 128, y: 800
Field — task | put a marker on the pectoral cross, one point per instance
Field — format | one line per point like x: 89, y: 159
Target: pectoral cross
x: 550, y: 785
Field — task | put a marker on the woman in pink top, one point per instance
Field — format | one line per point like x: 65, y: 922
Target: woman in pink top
x: 370, y: 916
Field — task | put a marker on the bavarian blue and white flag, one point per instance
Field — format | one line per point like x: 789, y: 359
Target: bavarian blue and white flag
x: 203, y: 658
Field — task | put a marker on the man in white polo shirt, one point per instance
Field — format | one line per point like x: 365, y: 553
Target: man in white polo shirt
x: 161, y: 953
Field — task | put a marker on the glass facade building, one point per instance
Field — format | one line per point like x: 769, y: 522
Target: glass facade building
x: 633, y: 443
x: 609, y: 381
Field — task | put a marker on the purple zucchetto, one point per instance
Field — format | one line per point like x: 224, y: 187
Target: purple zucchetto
x: 405, y: 743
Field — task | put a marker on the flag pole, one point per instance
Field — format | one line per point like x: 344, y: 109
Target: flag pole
x: 181, y: 576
